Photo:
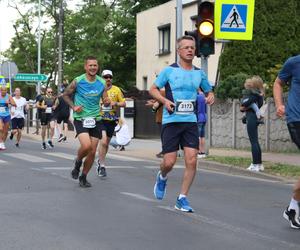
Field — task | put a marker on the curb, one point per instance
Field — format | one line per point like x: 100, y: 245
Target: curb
x: 225, y: 168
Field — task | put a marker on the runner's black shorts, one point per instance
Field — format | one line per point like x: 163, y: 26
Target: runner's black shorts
x: 294, y: 129
x: 95, y: 132
x: 46, y: 118
x: 64, y: 119
x: 109, y: 127
x: 17, y: 123
x: 183, y: 134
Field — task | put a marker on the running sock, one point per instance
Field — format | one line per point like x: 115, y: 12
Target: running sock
x: 101, y: 164
x: 294, y: 205
x: 78, y: 164
x: 83, y: 176
x: 163, y: 178
x: 181, y: 196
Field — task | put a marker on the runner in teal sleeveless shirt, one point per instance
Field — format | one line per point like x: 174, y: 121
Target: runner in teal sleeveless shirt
x: 87, y: 90
x: 88, y: 96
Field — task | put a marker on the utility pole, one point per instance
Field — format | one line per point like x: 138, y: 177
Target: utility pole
x: 178, y: 23
x: 60, y: 45
x: 39, y: 48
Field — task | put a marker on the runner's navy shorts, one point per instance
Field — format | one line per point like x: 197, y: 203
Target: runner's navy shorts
x: 183, y: 134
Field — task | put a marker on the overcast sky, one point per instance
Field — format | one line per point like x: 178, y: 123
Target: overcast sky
x: 6, y: 29
x: 7, y: 17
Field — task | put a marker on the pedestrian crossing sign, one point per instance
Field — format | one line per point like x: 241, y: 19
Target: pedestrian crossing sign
x: 234, y: 19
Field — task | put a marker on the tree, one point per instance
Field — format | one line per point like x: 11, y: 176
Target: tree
x: 231, y: 87
x: 276, y: 37
x: 105, y: 29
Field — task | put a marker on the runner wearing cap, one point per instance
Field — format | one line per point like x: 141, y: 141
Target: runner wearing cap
x: 109, y: 118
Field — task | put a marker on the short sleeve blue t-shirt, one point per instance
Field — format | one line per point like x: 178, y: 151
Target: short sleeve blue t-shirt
x: 181, y: 84
x: 291, y: 72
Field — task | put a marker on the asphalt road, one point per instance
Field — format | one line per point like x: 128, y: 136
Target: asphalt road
x: 41, y: 207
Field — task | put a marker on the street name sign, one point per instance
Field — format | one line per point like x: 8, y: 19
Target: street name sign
x: 31, y: 77
x: 234, y: 19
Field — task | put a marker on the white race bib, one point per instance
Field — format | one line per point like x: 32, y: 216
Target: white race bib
x: 19, y: 108
x: 48, y: 110
x: 2, y: 109
x: 89, y: 122
x: 185, y: 107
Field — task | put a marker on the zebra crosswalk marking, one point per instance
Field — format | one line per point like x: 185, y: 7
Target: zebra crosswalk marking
x: 61, y: 155
x: 27, y: 157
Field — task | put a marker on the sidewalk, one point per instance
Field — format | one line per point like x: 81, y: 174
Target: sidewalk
x: 148, y: 148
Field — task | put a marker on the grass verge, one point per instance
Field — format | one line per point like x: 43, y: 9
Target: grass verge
x: 278, y: 169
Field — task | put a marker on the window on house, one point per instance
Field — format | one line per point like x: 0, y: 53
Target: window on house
x: 164, y: 39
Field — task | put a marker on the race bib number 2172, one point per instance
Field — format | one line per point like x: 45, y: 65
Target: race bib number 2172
x: 185, y: 106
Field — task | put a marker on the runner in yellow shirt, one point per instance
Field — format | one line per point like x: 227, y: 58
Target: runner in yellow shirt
x: 109, y: 118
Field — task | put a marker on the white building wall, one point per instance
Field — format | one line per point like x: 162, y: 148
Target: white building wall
x: 149, y: 63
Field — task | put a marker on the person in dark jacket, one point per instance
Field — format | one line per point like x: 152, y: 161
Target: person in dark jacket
x: 255, y: 84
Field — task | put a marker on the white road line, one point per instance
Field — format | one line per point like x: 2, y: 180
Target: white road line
x: 229, y: 227
x: 27, y: 157
x: 138, y: 196
x: 2, y: 162
x: 121, y: 157
x: 152, y: 167
x: 57, y: 168
x: 157, y: 167
x: 120, y: 167
x: 69, y: 168
x: 61, y: 155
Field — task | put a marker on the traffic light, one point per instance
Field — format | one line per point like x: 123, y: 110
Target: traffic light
x: 206, y: 29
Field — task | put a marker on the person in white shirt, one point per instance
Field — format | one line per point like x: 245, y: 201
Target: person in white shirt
x: 18, y: 116
x: 122, y: 137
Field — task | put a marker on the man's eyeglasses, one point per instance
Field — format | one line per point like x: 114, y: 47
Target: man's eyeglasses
x: 188, y: 47
x: 107, y: 77
x: 49, y: 92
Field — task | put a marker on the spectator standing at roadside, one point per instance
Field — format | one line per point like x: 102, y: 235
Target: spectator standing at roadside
x: 290, y: 72
x: 252, y: 120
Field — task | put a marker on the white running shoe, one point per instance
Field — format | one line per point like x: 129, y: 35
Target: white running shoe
x: 253, y: 167
x: 261, y: 167
x: 2, y: 146
x: 201, y: 155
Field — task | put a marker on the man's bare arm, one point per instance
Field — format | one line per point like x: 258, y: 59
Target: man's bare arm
x: 278, y: 97
x: 155, y: 92
x: 69, y: 91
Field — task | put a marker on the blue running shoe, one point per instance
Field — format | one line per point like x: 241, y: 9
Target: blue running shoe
x: 183, y: 205
x: 160, y: 187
